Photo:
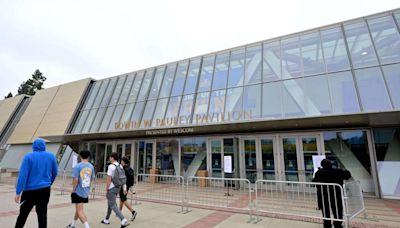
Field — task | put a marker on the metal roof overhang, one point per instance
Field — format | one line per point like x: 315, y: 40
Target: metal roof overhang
x: 381, y: 119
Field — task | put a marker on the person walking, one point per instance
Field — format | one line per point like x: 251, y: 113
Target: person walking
x: 115, y: 176
x: 83, y: 175
x: 36, y: 175
x: 330, y: 197
x: 129, y: 183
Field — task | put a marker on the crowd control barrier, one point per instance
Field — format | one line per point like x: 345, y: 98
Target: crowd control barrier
x: 354, y: 199
x: 228, y: 193
x: 164, y: 188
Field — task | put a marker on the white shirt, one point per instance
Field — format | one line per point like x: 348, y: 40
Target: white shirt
x: 110, y: 172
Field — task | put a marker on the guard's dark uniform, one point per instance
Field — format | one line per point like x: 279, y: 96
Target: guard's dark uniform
x: 330, y: 197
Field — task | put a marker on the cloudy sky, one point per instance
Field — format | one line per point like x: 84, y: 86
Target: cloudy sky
x: 73, y: 39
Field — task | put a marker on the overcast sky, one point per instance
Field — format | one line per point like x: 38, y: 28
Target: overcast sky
x: 74, y: 39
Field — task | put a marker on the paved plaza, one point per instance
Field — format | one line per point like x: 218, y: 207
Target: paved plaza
x: 380, y: 213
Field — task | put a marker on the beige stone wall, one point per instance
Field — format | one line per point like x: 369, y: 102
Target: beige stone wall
x: 49, y: 112
x: 7, y: 108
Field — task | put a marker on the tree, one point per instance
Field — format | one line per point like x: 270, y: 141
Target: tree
x: 8, y: 96
x: 33, y: 84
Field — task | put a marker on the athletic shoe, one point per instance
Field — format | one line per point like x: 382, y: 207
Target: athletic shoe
x: 70, y: 226
x: 125, y: 224
x: 134, y: 213
x: 105, y: 222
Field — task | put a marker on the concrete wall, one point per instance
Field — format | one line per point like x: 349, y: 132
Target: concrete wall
x: 49, y: 112
x: 7, y: 108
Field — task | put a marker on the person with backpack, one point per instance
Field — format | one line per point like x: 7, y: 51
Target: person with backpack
x: 83, y: 175
x: 116, y: 180
x: 129, y: 183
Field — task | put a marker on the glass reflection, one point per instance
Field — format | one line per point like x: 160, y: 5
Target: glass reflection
x: 144, y: 89
x: 343, y: 92
x: 392, y: 75
x: 252, y: 100
x: 135, y: 87
x: 192, y: 76
x: 291, y: 59
x: 271, y: 61
x: 221, y: 71
x: 180, y: 78
x: 168, y: 80
x: 156, y: 85
x: 217, y: 104
x: 335, y: 52
x: 272, y: 100
x: 236, y: 68
x: 107, y: 95
x: 159, y: 113
x: 117, y: 91
x: 127, y: 88
x: 311, y: 53
x: 253, y: 65
x: 207, y: 70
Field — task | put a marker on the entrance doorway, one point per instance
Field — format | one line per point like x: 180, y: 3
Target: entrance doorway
x: 144, y: 157
x: 279, y: 157
x: 217, y: 149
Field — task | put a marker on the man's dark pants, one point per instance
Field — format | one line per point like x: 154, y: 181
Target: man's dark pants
x: 38, y: 198
x: 336, y: 205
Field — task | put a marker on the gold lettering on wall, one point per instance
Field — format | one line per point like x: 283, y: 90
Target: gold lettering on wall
x: 208, y: 118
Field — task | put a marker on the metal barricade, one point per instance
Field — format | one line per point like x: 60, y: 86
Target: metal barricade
x: 300, y: 199
x: 160, y: 188
x: 230, y: 193
x: 98, y: 187
x: 63, y: 181
x: 354, y: 199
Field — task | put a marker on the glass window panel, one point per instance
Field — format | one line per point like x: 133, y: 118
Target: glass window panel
x: 192, y: 76
x: 89, y: 121
x: 293, y: 102
x: 155, y: 87
x: 117, y: 91
x: 193, y: 156
x: 206, y: 73
x: 116, y: 117
x: 252, y: 100
x: 349, y: 150
x: 221, y: 71
x: 126, y: 114
x: 126, y: 89
x: 172, y: 111
x: 316, y: 95
x: 81, y: 121
x: 335, y: 52
x: 272, y: 100
x: 146, y: 85
x: 135, y: 87
x: 107, y: 118
x: 311, y: 53
x: 386, y: 38
x: 291, y: 58
x: 361, y: 50
x: 100, y: 95
x: 167, y: 156
x: 148, y: 113
x: 158, y: 118
x: 92, y: 95
x: 236, y: 68
x: 392, y: 75
x: 397, y: 16
x: 168, y: 81
x: 234, y: 101
x: 271, y: 61
x: 343, y: 92
x: 201, y: 107
x: 387, y: 147
x: 217, y: 103
x: 107, y: 96
x: 180, y: 78
x: 186, y: 109
x: 137, y: 113
x: 373, y: 94
x: 97, y: 121
x: 253, y: 65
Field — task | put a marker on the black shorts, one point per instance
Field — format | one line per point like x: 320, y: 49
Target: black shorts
x: 77, y: 199
x: 122, y: 196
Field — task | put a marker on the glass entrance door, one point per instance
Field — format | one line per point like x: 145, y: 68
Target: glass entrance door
x: 218, y: 148
x: 144, y: 161
x: 296, y: 159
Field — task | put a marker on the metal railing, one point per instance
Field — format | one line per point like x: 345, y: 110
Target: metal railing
x: 165, y: 188
x: 300, y: 199
x: 63, y: 181
x: 354, y: 199
x: 99, y: 186
x: 231, y: 193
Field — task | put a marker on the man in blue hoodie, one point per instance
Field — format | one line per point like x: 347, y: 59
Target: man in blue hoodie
x: 36, y: 175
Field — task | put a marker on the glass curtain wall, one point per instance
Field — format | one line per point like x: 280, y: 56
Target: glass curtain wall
x: 344, y: 68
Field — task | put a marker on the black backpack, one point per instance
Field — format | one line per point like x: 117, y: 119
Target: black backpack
x: 129, y: 173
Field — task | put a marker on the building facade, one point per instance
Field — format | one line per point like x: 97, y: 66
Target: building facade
x: 270, y: 105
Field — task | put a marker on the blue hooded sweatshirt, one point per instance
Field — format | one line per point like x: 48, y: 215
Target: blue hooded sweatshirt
x: 38, y: 169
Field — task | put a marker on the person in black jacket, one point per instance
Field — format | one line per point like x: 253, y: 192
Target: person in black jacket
x: 129, y: 183
x: 330, y: 197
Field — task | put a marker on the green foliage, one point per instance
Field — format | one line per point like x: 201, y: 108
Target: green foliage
x: 33, y: 84
x: 8, y: 96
